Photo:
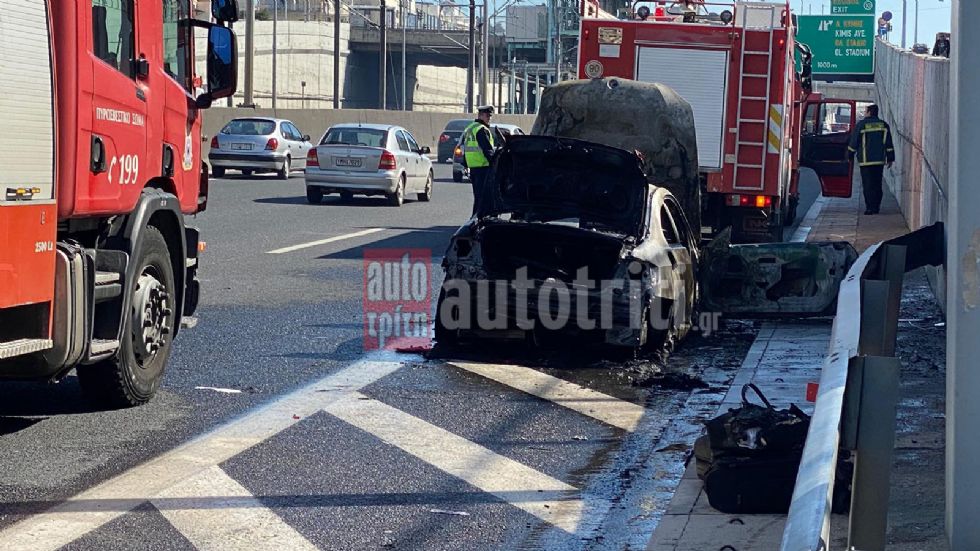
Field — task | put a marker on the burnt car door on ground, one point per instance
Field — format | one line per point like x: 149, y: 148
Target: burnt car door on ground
x: 826, y: 132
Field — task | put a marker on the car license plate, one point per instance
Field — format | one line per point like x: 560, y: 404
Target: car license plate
x: 241, y: 146
x: 347, y: 162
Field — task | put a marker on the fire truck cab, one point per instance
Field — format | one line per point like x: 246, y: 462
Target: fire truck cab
x: 734, y: 62
x: 100, y: 163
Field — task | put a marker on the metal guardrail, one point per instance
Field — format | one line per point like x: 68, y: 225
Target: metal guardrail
x: 857, y: 399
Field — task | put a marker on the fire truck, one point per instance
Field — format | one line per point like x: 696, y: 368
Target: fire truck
x: 100, y: 164
x: 756, y: 118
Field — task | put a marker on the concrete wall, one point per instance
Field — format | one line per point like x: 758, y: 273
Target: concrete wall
x: 913, y: 94
x: 425, y: 126
x: 305, y: 54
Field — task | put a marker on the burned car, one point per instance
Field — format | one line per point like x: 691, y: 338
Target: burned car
x: 570, y: 238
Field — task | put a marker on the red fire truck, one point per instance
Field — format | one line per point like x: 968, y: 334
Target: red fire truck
x: 100, y: 162
x: 734, y: 63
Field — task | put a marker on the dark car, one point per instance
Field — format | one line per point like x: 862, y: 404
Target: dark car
x: 449, y: 138
x: 503, y: 132
x: 560, y: 213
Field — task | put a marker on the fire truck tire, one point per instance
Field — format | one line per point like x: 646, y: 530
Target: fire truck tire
x: 132, y: 377
x: 218, y: 172
x: 283, y: 173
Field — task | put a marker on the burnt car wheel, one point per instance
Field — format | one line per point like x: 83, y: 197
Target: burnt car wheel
x: 662, y: 333
x: 444, y: 336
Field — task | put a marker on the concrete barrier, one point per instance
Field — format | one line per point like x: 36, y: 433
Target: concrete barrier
x: 913, y: 95
x: 425, y: 126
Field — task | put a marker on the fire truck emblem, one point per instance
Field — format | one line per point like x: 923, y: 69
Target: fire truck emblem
x: 593, y: 69
x: 188, y: 152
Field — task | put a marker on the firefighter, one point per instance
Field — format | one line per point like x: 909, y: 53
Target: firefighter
x: 478, y: 148
x: 871, y: 141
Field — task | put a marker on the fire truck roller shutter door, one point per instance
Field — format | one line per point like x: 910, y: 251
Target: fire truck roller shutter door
x: 26, y: 154
x: 701, y: 78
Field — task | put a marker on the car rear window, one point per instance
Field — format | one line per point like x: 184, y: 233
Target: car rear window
x: 458, y: 125
x: 249, y: 127
x: 369, y: 137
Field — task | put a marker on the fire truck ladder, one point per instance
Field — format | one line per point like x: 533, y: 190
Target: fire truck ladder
x: 743, y: 146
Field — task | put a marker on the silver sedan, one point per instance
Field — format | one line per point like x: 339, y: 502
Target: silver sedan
x: 257, y: 144
x: 369, y: 159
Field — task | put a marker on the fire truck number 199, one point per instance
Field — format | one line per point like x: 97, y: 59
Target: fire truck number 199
x: 129, y: 169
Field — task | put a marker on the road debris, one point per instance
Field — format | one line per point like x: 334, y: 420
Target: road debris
x: 445, y: 512
x: 219, y: 390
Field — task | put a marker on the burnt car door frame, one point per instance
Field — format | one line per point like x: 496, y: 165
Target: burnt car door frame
x: 826, y: 153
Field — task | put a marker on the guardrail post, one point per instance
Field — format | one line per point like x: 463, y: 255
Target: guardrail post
x: 881, y: 301
x: 875, y: 447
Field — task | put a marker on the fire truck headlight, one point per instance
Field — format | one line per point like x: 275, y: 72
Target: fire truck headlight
x: 726, y: 17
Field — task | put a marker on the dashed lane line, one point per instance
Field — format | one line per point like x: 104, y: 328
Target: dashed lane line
x: 547, y: 498
x: 605, y: 408
x: 216, y: 513
x: 326, y: 241
x: 92, y: 508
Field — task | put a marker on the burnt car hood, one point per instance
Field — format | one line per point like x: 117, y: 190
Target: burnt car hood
x: 546, y: 179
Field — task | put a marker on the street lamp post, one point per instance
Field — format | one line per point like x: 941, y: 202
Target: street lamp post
x: 401, y: 3
x: 904, y: 19
x: 275, y: 34
x: 383, y: 58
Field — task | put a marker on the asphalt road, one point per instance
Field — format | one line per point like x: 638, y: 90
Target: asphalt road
x: 274, y: 428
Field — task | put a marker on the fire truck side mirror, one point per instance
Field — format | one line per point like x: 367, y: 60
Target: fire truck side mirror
x: 222, y: 66
x: 224, y: 11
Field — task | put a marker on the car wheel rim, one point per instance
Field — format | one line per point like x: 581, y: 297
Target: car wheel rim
x: 151, y: 312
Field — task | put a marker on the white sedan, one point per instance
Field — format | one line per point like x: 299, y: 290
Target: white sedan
x: 368, y: 159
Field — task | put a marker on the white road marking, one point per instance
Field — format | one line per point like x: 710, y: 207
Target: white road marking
x: 88, y: 510
x: 605, y: 408
x: 806, y: 225
x: 214, y: 512
x: 547, y: 498
x: 334, y: 239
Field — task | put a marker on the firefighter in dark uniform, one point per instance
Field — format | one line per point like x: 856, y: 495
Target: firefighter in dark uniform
x: 477, y: 150
x: 871, y: 141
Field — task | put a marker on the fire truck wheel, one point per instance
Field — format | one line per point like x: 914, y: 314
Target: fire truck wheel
x: 218, y: 172
x: 133, y: 376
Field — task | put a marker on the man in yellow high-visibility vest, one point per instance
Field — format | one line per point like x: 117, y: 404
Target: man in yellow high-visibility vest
x: 871, y: 142
x: 477, y: 151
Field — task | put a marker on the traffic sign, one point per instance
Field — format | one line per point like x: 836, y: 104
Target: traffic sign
x: 841, y: 44
x: 852, y: 7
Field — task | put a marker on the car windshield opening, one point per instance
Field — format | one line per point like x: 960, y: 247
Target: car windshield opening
x: 369, y: 137
x: 249, y: 127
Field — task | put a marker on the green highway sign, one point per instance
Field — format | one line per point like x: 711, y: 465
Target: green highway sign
x: 841, y: 44
x: 852, y: 7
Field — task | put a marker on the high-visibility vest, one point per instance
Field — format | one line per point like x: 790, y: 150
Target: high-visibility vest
x: 472, y: 151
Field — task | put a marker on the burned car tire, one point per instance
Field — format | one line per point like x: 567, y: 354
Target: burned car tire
x: 444, y: 336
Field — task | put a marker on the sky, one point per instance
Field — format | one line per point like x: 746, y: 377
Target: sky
x: 934, y: 16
